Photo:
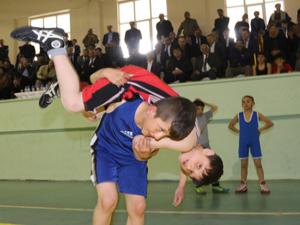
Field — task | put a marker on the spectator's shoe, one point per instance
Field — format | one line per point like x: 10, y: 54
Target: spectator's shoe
x: 47, y: 97
x: 219, y: 189
x: 263, y: 188
x: 242, y: 188
x: 48, y: 38
x: 200, y: 190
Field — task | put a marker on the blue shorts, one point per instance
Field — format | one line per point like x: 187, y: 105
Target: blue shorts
x: 254, y: 147
x: 130, y: 178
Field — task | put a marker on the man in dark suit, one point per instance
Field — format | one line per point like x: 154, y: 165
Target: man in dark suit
x: 3, y: 50
x: 152, y: 65
x: 163, y: 27
x: 206, y: 65
x: 111, y: 42
x: 132, y: 38
x: 28, y: 51
x: 221, y: 23
x: 257, y: 25
x: 197, y: 40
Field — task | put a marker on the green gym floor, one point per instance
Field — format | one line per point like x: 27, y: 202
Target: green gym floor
x: 71, y: 203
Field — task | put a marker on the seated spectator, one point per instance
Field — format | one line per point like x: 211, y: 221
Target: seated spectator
x: 3, y: 50
x: 218, y: 48
x: 280, y: 66
x: 26, y: 72
x: 185, y: 47
x: 28, y: 51
x: 152, y: 65
x: 261, y: 67
x: 293, y: 42
x: 94, y: 63
x: 6, y: 84
x: 239, y: 61
x: 297, y: 65
x: 46, y: 74
x: 166, y: 53
x: 274, y: 43
x: 137, y: 59
x: 205, y: 66
x: 241, y: 26
x: 158, y: 53
x: 178, y: 68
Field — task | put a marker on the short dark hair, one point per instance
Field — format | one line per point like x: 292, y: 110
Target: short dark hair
x: 198, y: 103
x: 182, y: 113
x: 213, y: 175
x: 249, y: 96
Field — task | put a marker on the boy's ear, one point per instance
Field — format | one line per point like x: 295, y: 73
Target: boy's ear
x: 209, y: 152
x: 152, y: 110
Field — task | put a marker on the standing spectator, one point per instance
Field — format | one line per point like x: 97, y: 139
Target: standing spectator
x: 82, y: 61
x: 178, y: 68
x: 261, y: 66
x: 257, y: 25
x: 280, y: 18
x: 166, y: 53
x: 240, y: 26
x: 111, y: 42
x: 249, y: 133
x: 90, y: 40
x: 3, y: 50
x: 280, y: 66
x: 28, y: 51
x: 163, y: 27
x: 197, y: 40
x: 77, y: 50
x: 132, y: 38
x: 188, y: 26
x: 202, y: 121
x: 221, y: 23
x: 205, y: 65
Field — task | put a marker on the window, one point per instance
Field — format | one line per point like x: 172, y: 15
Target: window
x: 145, y: 14
x: 236, y: 9
x: 60, y: 19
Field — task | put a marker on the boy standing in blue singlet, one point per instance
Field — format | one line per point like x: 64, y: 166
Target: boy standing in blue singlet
x: 249, y: 133
x: 116, y: 168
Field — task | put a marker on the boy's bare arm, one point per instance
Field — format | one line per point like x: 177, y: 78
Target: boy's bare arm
x: 184, y: 145
x: 266, y: 120
x: 115, y: 76
x: 179, y: 193
x: 213, y: 107
x: 232, y: 124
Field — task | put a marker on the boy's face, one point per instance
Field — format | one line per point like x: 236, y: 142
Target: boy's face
x: 247, y: 103
x: 154, y: 126
x: 196, y: 163
x: 199, y: 110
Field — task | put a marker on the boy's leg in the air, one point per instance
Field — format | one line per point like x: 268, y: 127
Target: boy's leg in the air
x: 52, y: 40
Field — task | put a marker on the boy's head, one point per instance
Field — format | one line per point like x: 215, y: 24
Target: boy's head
x: 204, y: 166
x: 248, y: 102
x: 172, y: 117
x: 199, y: 106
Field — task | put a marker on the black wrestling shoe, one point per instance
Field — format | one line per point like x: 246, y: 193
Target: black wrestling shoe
x: 47, y: 97
x: 48, y: 38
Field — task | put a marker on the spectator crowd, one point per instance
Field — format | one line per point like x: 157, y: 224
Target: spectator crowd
x: 185, y: 55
